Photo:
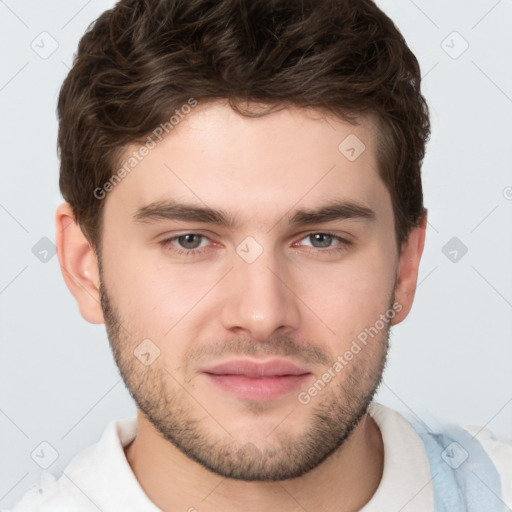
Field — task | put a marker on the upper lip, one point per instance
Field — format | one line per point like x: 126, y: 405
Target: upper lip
x: 252, y: 368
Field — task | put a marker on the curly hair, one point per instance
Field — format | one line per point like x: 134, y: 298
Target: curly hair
x: 143, y: 59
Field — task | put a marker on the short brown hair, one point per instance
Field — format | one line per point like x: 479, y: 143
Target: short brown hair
x: 143, y: 59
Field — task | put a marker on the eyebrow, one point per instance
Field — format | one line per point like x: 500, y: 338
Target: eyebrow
x: 173, y: 210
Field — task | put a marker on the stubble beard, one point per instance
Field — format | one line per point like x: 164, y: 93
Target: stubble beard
x: 335, y: 411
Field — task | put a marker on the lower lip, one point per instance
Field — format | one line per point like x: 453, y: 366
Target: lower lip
x: 268, y: 388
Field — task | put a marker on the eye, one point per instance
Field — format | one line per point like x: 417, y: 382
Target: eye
x: 321, y: 242
x: 190, y: 240
x: 188, y: 244
x: 195, y: 244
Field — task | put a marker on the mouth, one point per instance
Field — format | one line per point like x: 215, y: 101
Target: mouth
x: 257, y: 380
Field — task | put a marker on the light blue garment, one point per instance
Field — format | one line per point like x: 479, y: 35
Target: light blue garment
x: 464, y: 477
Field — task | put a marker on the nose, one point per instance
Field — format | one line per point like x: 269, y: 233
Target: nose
x: 259, y: 298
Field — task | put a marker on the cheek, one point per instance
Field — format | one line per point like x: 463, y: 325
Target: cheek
x: 153, y: 296
x: 351, y: 295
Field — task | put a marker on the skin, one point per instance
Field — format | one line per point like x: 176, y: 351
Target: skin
x: 295, y: 301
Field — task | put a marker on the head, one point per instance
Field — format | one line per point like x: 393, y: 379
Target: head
x: 243, y: 184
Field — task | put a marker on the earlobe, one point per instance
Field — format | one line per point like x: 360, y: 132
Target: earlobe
x: 407, y: 274
x: 79, y: 264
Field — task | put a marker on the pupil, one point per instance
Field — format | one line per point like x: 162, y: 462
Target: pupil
x: 323, y: 239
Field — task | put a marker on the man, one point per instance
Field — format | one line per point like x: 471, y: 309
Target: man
x: 244, y: 212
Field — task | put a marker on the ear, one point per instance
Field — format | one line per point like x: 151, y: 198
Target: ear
x: 407, y: 273
x: 79, y: 264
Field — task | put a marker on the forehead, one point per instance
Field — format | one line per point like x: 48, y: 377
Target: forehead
x: 255, y: 168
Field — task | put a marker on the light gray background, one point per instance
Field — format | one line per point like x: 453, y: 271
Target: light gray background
x: 450, y: 359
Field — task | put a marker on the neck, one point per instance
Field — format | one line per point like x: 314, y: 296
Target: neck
x: 344, y: 482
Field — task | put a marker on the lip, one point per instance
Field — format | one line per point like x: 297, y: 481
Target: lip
x: 254, y: 368
x: 257, y: 380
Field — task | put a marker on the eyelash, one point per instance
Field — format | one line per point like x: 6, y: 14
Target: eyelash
x: 342, y: 247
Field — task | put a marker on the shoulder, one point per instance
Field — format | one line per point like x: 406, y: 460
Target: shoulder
x: 500, y: 453
x: 468, y: 463
x: 85, y: 480
x: 51, y: 494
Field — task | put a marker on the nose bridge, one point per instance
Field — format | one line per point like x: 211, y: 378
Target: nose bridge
x: 259, y: 299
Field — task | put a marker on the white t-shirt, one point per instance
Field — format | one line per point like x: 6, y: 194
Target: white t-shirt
x: 100, y: 478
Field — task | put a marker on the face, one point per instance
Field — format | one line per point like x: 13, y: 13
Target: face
x: 248, y: 271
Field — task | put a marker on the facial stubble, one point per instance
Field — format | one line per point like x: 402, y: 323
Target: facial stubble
x: 170, y: 407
